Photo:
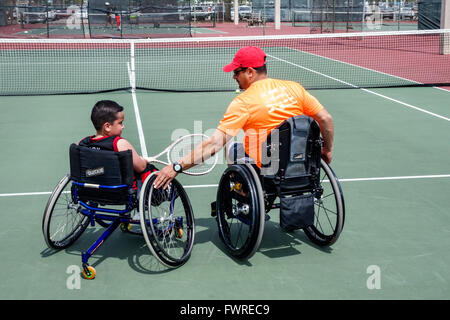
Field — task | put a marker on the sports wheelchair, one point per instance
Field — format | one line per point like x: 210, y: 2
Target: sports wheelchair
x: 100, y: 189
x: 310, y: 194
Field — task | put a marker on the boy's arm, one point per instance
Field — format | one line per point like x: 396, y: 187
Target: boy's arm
x: 139, y: 164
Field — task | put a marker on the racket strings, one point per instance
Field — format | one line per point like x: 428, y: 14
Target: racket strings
x: 184, y: 147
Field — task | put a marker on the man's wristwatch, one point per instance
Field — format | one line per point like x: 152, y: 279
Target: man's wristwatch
x: 177, y: 167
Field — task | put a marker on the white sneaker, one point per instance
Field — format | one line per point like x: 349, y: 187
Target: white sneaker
x: 137, y: 216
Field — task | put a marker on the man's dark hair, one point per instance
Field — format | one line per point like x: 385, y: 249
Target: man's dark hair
x: 104, y: 111
x: 262, y: 69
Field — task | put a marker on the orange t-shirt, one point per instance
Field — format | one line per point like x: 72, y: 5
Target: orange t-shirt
x: 264, y: 106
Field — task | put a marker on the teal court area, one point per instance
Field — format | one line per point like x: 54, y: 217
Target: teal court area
x: 390, y: 155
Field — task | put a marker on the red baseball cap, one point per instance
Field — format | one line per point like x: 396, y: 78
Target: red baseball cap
x: 246, y: 57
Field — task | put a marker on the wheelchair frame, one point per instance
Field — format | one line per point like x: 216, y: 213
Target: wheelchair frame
x: 248, y: 218
x: 157, y: 231
x: 240, y: 214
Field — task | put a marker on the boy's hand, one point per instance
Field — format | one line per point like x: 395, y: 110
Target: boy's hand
x: 164, y: 177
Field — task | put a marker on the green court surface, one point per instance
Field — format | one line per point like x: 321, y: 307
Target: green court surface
x: 391, y: 155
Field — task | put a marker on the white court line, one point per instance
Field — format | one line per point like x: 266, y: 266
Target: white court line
x: 356, y: 66
x: 446, y: 90
x: 364, y: 68
x: 366, y: 90
x: 397, y: 178
x: 132, y: 76
x: 215, y: 185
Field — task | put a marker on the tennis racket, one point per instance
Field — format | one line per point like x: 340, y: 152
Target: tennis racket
x: 182, y: 147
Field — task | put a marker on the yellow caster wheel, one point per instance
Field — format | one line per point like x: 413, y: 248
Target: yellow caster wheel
x: 179, y: 233
x: 88, y: 274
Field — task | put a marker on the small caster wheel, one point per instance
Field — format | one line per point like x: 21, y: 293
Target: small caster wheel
x: 125, y: 227
x: 179, y: 233
x: 88, y: 272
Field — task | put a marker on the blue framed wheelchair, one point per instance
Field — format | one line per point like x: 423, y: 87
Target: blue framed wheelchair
x: 99, y: 190
x: 309, y: 193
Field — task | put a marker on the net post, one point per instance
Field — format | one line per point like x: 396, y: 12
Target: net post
x: 334, y: 17
x: 321, y: 17
x: 236, y: 12
x: 444, y: 41
x: 46, y: 20
x: 277, y: 21
x: 120, y: 23
x: 88, y: 32
x: 84, y: 31
x: 132, y: 68
x: 363, y: 16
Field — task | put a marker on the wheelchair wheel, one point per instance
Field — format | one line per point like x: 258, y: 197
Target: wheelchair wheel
x: 167, y: 222
x: 63, y: 223
x: 329, y: 209
x: 240, y: 210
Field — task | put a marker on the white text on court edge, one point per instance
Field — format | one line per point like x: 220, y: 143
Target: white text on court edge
x: 73, y: 280
x: 374, y: 280
x: 228, y: 309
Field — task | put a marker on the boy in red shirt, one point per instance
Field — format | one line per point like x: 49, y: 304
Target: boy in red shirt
x: 107, y: 117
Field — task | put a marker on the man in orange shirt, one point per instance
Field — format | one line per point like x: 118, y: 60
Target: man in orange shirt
x: 264, y: 105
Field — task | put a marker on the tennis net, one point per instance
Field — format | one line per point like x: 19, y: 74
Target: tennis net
x: 325, y: 61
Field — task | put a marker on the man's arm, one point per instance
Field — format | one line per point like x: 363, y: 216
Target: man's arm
x: 326, y: 124
x: 201, y: 153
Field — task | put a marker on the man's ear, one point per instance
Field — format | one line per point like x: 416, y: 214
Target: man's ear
x: 251, y: 71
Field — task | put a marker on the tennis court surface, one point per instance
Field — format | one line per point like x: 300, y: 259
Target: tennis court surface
x: 391, y: 155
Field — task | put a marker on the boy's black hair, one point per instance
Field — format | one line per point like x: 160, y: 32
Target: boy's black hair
x: 104, y: 111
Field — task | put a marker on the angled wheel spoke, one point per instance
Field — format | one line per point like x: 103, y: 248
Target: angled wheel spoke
x: 329, y: 209
x: 168, y: 223
x: 240, y: 205
x: 62, y: 224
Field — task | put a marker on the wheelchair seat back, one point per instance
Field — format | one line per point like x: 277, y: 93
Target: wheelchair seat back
x: 106, y: 176
x: 293, y: 152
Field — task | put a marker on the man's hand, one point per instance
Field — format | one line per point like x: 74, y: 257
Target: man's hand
x: 164, y: 177
x: 327, y: 156
x: 326, y: 124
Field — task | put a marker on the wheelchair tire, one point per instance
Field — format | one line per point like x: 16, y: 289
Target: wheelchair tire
x: 62, y: 223
x: 240, y: 210
x: 329, y: 209
x: 167, y: 222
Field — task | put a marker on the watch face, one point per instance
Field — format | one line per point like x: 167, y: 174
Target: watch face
x: 177, y: 167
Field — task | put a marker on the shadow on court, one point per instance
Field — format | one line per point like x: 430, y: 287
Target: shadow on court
x: 121, y: 245
x: 276, y: 243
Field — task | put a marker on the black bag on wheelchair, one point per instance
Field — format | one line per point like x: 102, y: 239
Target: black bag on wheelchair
x: 293, y: 152
x: 100, y: 167
x: 296, y: 211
